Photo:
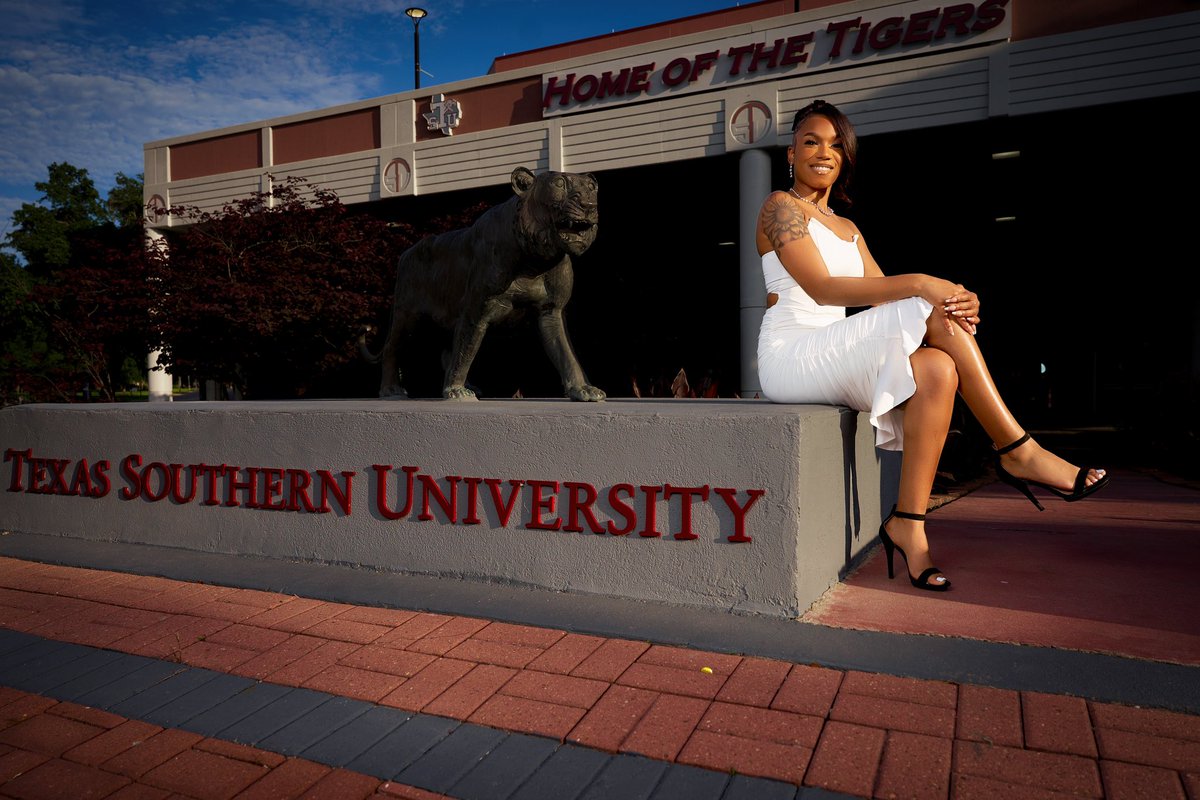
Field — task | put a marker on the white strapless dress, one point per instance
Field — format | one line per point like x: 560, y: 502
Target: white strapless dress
x: 810, y: 353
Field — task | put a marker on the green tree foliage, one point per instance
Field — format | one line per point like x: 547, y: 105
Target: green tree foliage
x: 268, y: 293
x: 76, y: 309
x: 41, y: 232
x: 125, y: 207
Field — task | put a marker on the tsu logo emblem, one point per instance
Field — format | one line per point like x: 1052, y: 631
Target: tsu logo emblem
x: 444, y: 115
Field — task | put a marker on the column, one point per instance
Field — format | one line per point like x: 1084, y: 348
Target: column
x: 754, y: 186
x: 158, y: 381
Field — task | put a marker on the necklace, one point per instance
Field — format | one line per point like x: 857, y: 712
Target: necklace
x: 824, y: 210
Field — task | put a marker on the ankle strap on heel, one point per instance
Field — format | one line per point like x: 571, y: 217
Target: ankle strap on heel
x: 906, y: 515
x: 1010, y: 447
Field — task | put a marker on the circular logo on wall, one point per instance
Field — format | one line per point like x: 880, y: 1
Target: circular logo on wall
x: 397, y: 175
x: 156, y: 208
x: 751, y: 122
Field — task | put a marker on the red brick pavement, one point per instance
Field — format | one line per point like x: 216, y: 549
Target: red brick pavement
x: 863, y: 734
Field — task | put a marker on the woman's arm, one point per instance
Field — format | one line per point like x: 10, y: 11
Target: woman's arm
x: 784, y: 228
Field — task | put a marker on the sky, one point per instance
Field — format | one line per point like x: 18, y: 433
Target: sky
x: 90, y: 82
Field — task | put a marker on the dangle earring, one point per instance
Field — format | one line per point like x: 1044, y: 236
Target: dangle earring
x: 791, y: 171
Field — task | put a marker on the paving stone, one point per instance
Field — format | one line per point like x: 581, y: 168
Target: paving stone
x: 394, y: 752
x: 28, y: 663
x: 502, y: 654
x: 88, y: 682
x: 18, y: 762
x: 1035, y: 769
x: 662, y: 732
x: 11, y: 640
x: 451, y: 758
x: 908, y: 690
x: 158, y: 749
x: 62, y: 780
x: 236, y: 708
x: 808, y: 690
x: 626, y: 777
x: 744, y: 787
x: 1137, y: 782
x: 610, y: 659
x: 914, y: 766
x: 419, y: 690
x: 987, y: 714
x: 362, y: 684
x: 564, y: 690
x: 296, y: 737
x: 470, y: 691
x: 564, y: 775
x: 528, y: 716
x: 48, y: 734
x: 1154, y: 721
x: 755, y: 682
x: 91, y: 661
x: 1140, y: 748
x: 752, y: 722
x: 1057, y: 723
x: 448, y: 636
x: 846, y: 758
x: 566, y: 654
x: 205, y: 775
x: 749, y: 756
x: 881, y: 712
x: 288, y: 780
x: 199, y: 700
x: 240, y: 752
x: 287, y: 708
x: 342, y: 784
x: 505, y: 768
x: 163, y: 692
x: 607, y: 724
x: 682, y: 782
x: 339, y: 747
x: 672, y: 680
x: 92, y: 716
x: 111, y: 743
x: 143, y: 673
x: 511, y: 633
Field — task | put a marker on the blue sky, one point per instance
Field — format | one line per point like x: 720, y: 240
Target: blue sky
x: 90, y: 82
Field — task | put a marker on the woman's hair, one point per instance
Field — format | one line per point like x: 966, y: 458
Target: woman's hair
x: 845, y: 132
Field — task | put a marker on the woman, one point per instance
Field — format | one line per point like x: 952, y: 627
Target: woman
x: 902, y: 360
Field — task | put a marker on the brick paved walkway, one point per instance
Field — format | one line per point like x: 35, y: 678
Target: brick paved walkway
x: 618, y: 717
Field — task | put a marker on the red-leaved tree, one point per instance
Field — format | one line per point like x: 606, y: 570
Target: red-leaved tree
x: 268, y: 293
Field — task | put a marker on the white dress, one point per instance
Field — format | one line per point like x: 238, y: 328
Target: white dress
x: 810, y: 353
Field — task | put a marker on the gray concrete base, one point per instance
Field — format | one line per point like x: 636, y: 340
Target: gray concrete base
x: 739, y: 505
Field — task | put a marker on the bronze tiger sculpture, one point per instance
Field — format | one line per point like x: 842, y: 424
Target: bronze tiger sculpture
x: 516, y: 254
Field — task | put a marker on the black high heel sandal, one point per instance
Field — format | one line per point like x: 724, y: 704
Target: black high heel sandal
x: 922, y: 580
x: 1080, y: 490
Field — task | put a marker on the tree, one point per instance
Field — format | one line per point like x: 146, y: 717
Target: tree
x: 41, y: 232
x: 77, y: 309
x: 269, y: 292
x: 126, y: 206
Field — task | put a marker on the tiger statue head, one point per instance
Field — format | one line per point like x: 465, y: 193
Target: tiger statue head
x: 557, y: 211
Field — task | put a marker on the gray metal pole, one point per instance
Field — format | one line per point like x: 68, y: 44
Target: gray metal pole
x: 754, y: 186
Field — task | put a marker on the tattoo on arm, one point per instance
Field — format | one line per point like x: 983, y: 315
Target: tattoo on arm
x: 782, y: 222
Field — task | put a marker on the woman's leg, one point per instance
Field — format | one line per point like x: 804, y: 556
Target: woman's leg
x: 926, y: 420
x: 975, y: 384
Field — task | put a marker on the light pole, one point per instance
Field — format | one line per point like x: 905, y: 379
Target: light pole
x: 416, y: 15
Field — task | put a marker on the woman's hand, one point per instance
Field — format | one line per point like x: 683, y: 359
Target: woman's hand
x: 959, y: 307
x: 963, y: 308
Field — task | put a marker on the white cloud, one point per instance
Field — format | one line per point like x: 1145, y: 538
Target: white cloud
x: 94, y: 101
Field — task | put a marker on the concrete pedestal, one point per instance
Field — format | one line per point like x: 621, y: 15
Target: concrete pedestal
x: 735, y: 504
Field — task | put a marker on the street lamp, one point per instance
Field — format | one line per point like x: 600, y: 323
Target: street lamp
x: 416, y: 15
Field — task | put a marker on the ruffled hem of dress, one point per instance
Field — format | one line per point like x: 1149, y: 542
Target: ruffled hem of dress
x: 896, y: 382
